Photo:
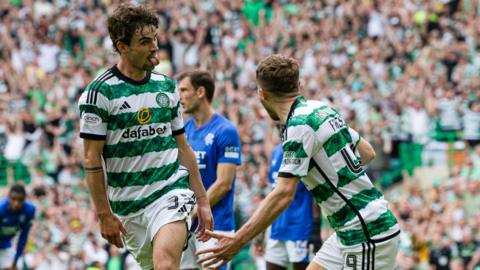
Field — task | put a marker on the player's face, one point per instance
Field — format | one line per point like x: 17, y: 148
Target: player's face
x: 142, y: 51
x: 188, y: 96
x: 16, y: 201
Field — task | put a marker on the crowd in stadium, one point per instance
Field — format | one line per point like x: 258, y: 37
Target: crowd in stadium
x: 405, y: 73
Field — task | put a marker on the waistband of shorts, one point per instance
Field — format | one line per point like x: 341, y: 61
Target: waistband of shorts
x: 385, y: 238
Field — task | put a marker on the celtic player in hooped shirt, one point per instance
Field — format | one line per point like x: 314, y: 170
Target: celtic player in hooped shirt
x: 320, y: 149
x: 130, y: 117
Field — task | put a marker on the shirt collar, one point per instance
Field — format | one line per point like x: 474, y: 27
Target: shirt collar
x: 297, y: 101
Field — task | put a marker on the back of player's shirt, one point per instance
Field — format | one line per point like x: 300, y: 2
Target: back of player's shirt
x: 138, y: 121
x: 295, y: 223
x: 12, y: 223
x: 319, y: 147
x: 216, y: 142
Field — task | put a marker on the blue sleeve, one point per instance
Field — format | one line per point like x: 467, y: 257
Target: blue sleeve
x: 22, y: 239
x: 270, y: 174
x: 275, y: 162
x: 228, y: 146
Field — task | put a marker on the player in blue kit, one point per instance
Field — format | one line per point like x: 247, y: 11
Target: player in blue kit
x: 216, y: 143
x: 16, y: 215
x: 290, y: 232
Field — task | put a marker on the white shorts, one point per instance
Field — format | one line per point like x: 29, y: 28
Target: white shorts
x: 284, y: 252
x: 379, y: 256
x: 189, y: 259
x: 174, y: 206
x: 7, y: 256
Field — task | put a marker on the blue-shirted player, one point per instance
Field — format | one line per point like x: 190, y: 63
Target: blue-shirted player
x: 216, y: 143
x: 16, y: 215
x: 290, y: 232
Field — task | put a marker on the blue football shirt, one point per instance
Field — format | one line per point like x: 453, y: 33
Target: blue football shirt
x: 296, y: 222
x: 217, y: 141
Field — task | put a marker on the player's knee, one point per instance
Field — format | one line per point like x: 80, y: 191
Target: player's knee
x: 165, y: 260
x: 165, y: 265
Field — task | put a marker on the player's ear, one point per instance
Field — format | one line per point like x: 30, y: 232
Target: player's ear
x: 261, y: 93
x: 201, y: 92
x: 121, y: 46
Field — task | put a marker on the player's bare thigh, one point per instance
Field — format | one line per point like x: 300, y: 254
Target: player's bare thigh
x: 168, y: 244
x: 314, y: 266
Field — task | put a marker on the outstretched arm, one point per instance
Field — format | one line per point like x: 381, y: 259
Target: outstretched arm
x: 274, y: 204
x: 270, y: 208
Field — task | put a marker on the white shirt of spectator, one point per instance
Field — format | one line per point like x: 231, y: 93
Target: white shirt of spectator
x: 15, y: 143
x: 48, y: 57
x: 449, y: 115
x: 375, y: 24
x: 471, y: 125
x: 420, y: 124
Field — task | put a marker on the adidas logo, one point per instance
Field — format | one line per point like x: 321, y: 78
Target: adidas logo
x: 183, y: 209
x: 125, y: 106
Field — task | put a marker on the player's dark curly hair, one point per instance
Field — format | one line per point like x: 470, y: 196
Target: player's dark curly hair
x: 126, y: 20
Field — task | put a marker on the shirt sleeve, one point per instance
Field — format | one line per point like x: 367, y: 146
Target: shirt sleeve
x: 177, y: 115
x: 298, y: 149
x: 228, y: 146
x: 94, y: 114
x: 355, y: 137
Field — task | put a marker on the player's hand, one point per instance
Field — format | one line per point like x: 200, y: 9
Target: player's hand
x: 223, y: 252
x: 205, y: 220
x: 13, y: 267
x: 112, y: 229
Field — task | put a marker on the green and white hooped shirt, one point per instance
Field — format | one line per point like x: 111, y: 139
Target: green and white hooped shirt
x: 320, y: 148
x: 137, y: 120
